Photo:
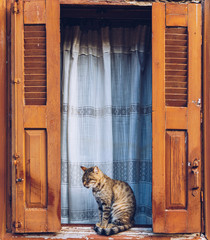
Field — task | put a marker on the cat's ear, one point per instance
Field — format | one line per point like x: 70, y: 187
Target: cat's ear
x: 83, y: 168
x: 96, y: 169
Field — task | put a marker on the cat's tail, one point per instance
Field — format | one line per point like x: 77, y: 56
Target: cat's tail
x: 112, y: 229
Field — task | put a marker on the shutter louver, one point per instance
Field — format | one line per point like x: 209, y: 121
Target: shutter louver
x: 176, y: 66
x: 35, y: 84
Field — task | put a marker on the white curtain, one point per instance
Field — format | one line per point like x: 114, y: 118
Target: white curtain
x: 106, y: 115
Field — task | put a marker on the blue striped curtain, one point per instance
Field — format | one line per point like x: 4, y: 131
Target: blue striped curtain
x: 106, y: 115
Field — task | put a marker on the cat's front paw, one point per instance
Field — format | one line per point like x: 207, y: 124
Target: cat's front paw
x: 98, y: 224
x: 103, y: 225
x: 97, y: 228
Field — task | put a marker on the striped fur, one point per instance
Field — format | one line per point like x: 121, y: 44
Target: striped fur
x: 112, y: 229
x: 116, y: 201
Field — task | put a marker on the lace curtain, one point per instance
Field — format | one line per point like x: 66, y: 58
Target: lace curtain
x: 106, y: 115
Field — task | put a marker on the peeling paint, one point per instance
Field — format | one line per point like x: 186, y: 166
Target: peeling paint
x: 186, y: 237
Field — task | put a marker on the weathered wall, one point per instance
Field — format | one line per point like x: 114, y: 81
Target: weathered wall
x: 206, y: 108
x: 3, y: 115
x: 4, y: 100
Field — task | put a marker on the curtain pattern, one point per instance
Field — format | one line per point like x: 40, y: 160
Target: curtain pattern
x: 106, y: 116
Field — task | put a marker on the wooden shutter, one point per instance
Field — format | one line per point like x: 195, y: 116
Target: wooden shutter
x: 176, y: 72
x: 35, y: 116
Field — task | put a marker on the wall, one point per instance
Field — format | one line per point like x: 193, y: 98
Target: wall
x: 206, y: 108
x: 4, y: 120
x: 3, y: 115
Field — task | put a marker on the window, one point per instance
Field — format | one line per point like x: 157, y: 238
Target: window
x: 176, y: 77
x: 106, y: 106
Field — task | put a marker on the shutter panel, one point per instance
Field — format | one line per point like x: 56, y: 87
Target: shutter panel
x: 36, y: 116
x: 176, y: 117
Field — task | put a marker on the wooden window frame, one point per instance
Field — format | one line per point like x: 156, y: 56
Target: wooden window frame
x: 5, y: 100
x: 206, y: 114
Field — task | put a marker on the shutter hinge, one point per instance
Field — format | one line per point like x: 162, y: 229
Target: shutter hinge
x: 202, y: 196
x: 16, y: 156
x: 17, y: 224
x: 197, y: 103
x: 201, y: 117
x: 16, y: 80
x: 15, y: 8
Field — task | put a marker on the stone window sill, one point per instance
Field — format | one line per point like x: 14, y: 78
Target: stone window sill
x: 87, y: 233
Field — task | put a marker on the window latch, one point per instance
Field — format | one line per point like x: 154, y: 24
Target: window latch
x: 195, y: 173
x: 197, y: 103
x: 16, y: 156
x: 19, y: 180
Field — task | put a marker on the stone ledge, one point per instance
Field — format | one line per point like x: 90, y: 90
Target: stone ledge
x: 87, y: 233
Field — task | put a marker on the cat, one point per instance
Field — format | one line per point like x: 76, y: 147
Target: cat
x: 116, y: 201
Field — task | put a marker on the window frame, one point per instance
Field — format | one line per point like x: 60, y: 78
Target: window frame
x: 5, y: 97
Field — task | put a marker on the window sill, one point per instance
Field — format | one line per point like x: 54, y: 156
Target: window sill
x: 87, y: 233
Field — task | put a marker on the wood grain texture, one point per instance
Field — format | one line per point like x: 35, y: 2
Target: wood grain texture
x: 36, y: 172
x: 53, y: 114
x: 171, y: 20
x: 206, y: 109
x: 176, y: 15
x: 8, y: 69
x: 176, y: 118
x: 17, y: 118
x: 158, y: 116
x: 39, y: 222
x: 176, y: 9
x: 176, y: 170
x: 35, y: 117
x: 36, y: 128
x: 35, y: 72
x: 194, y: 122
x: 35, y: 12
x: 3, y: 117
x: 176, y: 213
x: 176, y: 74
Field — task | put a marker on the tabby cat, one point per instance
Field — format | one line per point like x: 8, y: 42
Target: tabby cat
x: 116, y: 201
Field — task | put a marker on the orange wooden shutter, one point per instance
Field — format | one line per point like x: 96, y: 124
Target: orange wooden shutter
x: 176, y: 72
x: 35, y: 116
